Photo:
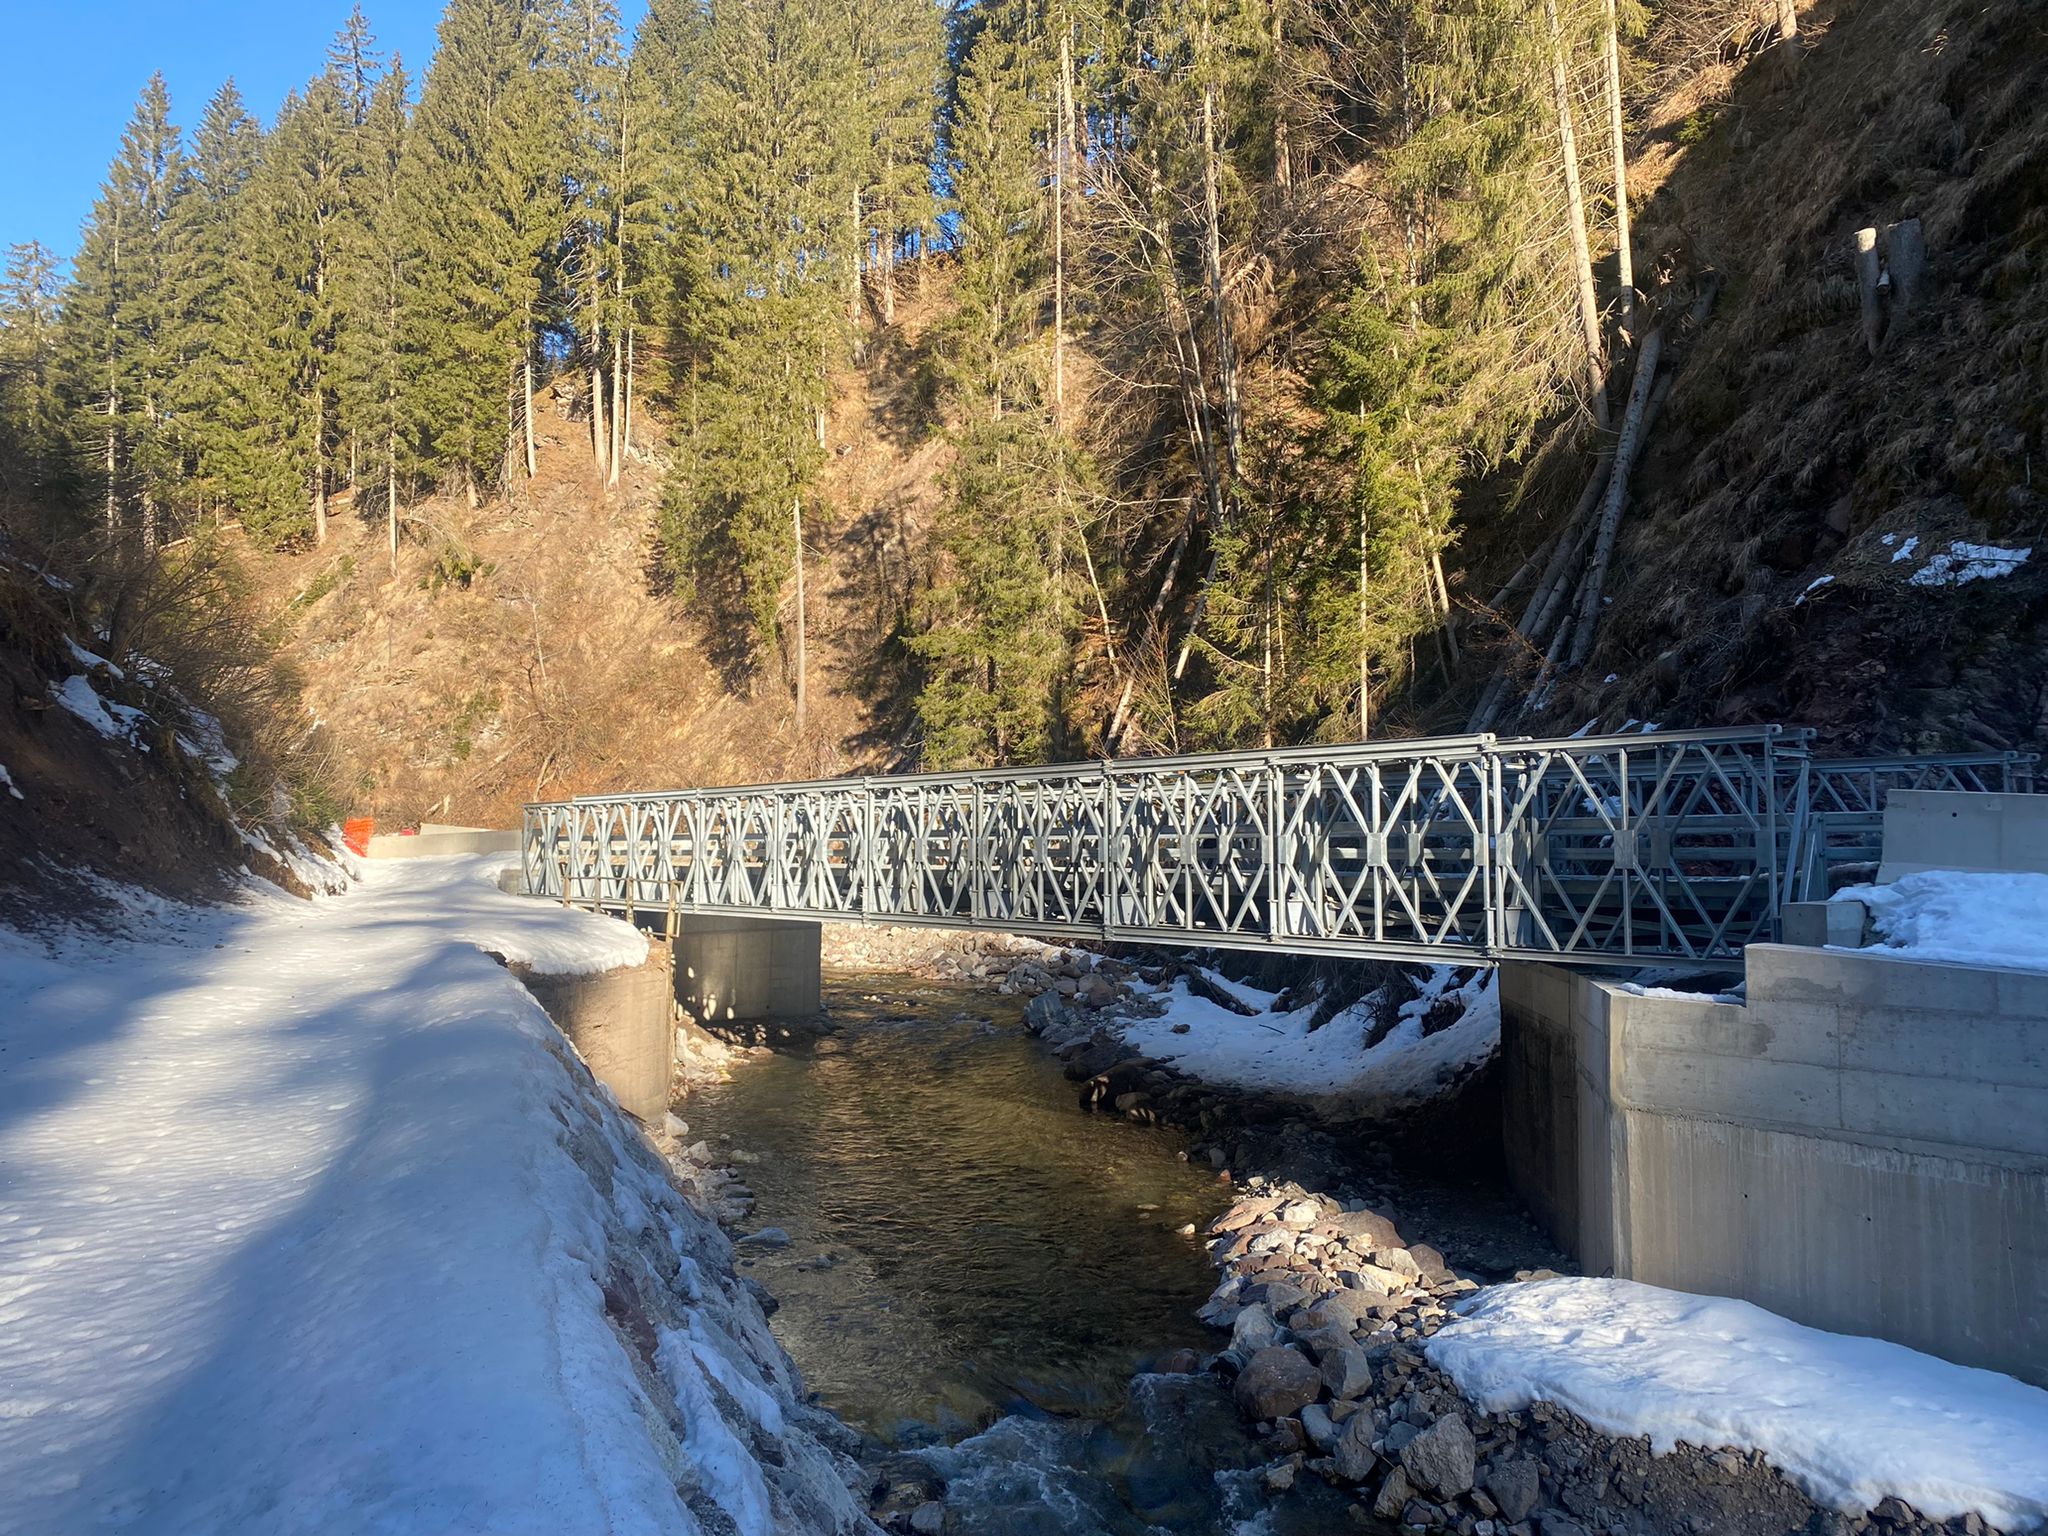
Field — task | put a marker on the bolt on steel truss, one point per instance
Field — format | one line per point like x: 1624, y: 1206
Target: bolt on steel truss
x: 1681, y: 845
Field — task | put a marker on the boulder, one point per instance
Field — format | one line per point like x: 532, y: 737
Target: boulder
x: 1347, y: 1309
x: 1252, y: 1330
x: 767, y: 1237
x: 1346, y: 1372
x: 1300, y: 1213
x: 1277, y: 1383
x: 1442, y: 1458
x: 1400, y: 1261
x: 1045, y: 1011
x: 1243, y: 1214
x: 1353, y: 1452
x: 1318, y: 1426
x: 1369, y: 1226
x: 1395, y: 1493
x: 929, y: 1518
x: 1514, y: 1484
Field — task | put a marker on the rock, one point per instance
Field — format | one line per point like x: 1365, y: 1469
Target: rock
x: 1561, y: 1525
x: 1514, y: 1485
x: 1179, y: 1362
x: 699, y: 1153
x: 1045, y: 1011
x: 1317, y: 1425
x: 1395, y: 1493
x: 767, y: 1237
x: 1322, y: 1341
x: 1276, y: 1383
x: 1374, y: 1229
x: 1347, y: 1309
x: 1400, y: 1261
x: 1399, y: 1433
x: 929, y: 1518
x: 1252, y: 1330
x: 1097, y: 991
x: 1369, y: 1277
x: 1441, y: 1458
x: 1300, y: 1213
x: 1280, y: 1476
x: 1346, y: 1372
x: 675, y: 1125
x: 1066, y: 986
x: 1353, y: 1452
x: 1242, y: 1215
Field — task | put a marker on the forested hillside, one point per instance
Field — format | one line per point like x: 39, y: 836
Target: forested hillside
x: 791, y: 388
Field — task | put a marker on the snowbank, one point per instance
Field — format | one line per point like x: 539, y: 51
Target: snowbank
x: 1280, y: 1053
x: 1847, y: 1419
x: 1969, y: 919
x: 310, y: 1221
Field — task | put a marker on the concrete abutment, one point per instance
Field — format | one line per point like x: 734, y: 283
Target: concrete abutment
x: 729, y: 969
x: 1860, y: 1145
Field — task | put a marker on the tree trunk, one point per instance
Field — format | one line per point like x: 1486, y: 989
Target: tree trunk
x: 1059, y: 241
x: 391, y: 496
x: 1617, y: 495
x: 319, y: 465
x: 1226, y: 353
x: 796, y: 511
x: 1624, y: 260
x: 1364, y: 628
x: 113, y: 473
x: 618, y: 407
x: 526, y: 389
x: 626, y: 428
x: 1582, y: 256
x: 1788, y: 37
x: 600, y: 435
x: 1868, y: 271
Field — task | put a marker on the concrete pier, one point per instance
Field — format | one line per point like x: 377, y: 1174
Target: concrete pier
x: 1860, y: 1145
x: 619, y: 1023
x: 733, y: 968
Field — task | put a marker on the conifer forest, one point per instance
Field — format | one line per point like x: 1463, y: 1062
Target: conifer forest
x: 1292, y: 361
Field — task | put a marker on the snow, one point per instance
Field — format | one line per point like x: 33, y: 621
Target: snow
x: 114, y: 721
x: 1963, y: 917
x: 311, y: 1222
x: 89, y: 660
x: 1280, y: 1053
x: 7, y: 783
x: 1812, y: 587
x: 1961, y: 563
x: 1905, y: 550
x: 1849, y: 1420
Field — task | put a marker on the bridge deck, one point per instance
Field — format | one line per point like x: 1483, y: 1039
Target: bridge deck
x: 1681, y: 845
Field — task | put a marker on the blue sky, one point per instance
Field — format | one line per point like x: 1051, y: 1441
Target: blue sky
x: 72, y: 69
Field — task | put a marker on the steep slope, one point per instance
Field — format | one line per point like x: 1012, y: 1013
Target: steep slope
x: 1782, y: 560
x: 533, y: 647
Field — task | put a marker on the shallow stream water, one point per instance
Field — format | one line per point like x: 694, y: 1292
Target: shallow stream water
x: 977, y: 1270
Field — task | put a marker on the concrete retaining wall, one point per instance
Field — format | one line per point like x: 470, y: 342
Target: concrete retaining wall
x: 733, y: 968
x: 1862, y: 1146
x: 619, y: 1022
x: 1950, y: 829
x: 435, y: 842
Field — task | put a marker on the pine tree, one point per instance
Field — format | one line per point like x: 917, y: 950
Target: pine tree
x: 32, y: 459
x: 482, y: 204
x: 766, y: 318
x: 371, y: 281
x: 226, y: 149
x: 118, y: 350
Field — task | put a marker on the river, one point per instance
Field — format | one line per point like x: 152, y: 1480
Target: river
x: 980, y: 1276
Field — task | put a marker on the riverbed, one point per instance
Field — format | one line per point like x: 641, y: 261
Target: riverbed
x: 981, y: 1278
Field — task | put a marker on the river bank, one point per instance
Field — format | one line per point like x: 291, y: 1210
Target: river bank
x: 1330, y: 1298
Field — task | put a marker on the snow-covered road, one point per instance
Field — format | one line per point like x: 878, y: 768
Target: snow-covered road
x: 301, y: 1230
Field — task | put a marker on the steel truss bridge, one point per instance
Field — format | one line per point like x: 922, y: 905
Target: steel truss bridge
x: 1681, y: 845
